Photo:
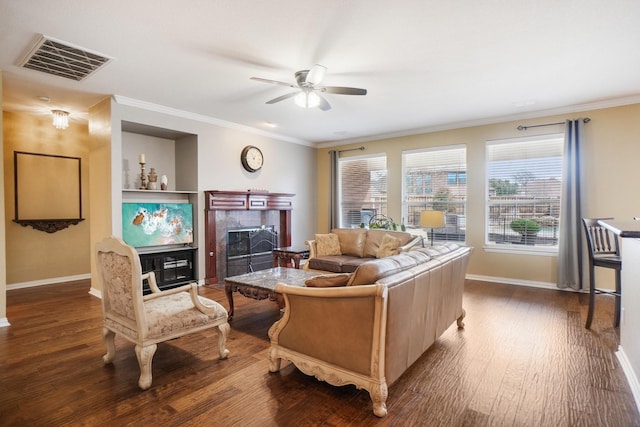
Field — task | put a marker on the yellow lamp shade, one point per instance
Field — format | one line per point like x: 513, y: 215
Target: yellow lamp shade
x: 432, y: 219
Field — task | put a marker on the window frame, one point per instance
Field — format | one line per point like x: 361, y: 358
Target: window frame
x: 343, y: 217
x: 433, y: 191
x: 495, y: 247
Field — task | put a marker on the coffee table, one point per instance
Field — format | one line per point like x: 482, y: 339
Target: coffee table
x: 289, y: 253
x: 260, y: 285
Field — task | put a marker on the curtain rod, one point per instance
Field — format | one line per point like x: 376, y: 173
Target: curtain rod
x: 521, y: 127
x: 349, y: 149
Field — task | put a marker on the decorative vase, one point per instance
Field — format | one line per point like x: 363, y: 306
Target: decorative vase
x: 153, y: 180
x: 163, y: 182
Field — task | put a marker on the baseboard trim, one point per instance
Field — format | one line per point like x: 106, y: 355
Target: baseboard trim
x: 50, y: 281
x: 632, y: 378
x: 518, y: 282
x: 4, y: 322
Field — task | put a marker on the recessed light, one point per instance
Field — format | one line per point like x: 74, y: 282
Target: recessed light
x: 44, y: 98
x: 271, y: 125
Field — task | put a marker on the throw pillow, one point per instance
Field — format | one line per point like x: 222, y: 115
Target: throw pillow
x: 328, y: 280
x: 389, y: 246
x: 327, y: 244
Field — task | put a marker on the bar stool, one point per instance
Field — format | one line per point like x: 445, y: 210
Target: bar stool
x: 603, y: 252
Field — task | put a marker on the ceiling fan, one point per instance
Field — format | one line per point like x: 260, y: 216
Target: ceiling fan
x: 309, y: 88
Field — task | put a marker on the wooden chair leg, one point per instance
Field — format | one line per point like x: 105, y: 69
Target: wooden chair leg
x: 592, y: 298
x: 223, y: 333
x: 108, y: 337
x: 145, y: 356
x: 616, y: 321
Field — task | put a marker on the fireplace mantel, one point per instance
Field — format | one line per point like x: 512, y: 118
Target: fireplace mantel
x: 241, y: 201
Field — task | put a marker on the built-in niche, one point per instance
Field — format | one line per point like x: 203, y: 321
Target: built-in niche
x: 47, y: 190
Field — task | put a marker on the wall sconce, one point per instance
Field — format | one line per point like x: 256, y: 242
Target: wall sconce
x: 60, y: 119
x: 432, y: 219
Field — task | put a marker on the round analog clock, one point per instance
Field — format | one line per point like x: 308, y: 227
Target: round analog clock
x: 251, y: 158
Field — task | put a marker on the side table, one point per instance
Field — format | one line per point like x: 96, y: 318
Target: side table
x: 289, y: 253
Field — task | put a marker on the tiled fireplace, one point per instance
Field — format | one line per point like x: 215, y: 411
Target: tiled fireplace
x: 235, y: 210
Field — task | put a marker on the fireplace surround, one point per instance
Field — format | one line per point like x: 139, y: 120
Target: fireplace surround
x: 235, y: 209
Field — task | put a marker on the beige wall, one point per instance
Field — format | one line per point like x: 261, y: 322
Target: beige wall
x: 33, y: 255
x: 3, y: 253
x: 611, y: 151
x: 100, y: 173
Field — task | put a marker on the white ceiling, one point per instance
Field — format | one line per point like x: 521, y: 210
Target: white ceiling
x: 426, y: 64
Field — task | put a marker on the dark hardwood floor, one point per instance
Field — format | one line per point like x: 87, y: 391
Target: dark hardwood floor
x: 524, y: 359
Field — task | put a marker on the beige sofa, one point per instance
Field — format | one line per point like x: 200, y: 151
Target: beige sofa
x: 356, y: 245
x: 376, y: 323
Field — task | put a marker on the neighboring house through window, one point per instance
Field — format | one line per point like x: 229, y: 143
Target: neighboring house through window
x: 436, y: 179
x: 363, y: 189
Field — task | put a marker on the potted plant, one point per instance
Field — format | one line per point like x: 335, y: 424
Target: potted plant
x: 527, y: 228
x: 382, y: 222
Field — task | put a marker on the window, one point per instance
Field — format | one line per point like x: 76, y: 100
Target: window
x: 363, y: 189
x: 523, y: 192
x: 455, y: 178
x: 442, y: 172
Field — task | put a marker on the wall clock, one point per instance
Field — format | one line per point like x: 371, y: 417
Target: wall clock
x: 251, y: 158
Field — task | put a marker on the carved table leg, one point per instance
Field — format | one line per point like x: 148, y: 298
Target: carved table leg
x: 229, y: 292
x: 296, y: 261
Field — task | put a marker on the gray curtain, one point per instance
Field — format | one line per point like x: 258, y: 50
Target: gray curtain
x: 570, y: 237
x: 334, y: 202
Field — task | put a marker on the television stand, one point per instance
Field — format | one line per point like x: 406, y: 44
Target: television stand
x: 172, y: 267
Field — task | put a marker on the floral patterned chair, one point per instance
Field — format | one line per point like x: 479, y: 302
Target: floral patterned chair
x: 147, y: 320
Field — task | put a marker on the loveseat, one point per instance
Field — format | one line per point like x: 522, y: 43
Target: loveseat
x: 344, y: 249
x: 368, y: 327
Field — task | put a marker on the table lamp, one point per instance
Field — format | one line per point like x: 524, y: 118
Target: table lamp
x: 432, y: 220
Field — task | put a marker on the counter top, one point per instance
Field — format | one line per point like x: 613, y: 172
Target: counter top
x: 623, y: 227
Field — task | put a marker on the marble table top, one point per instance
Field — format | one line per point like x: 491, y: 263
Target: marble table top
x: 267, y: 279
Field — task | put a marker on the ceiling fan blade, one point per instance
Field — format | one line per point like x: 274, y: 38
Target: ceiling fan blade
x: 282, y: 98
x: 273, y: 82
x: 316, y: 74
x: 340, y: 90
x: 324, y: 104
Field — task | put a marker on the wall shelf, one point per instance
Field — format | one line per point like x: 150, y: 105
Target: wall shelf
x: 174, y: 154
x: 127, y: 190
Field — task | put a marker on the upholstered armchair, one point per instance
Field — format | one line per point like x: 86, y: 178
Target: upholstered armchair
x: 147, y: 320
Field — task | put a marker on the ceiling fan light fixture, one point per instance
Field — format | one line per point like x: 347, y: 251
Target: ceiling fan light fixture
x: 307, y: 99
x: 60, y: 119
x: 316, y: 74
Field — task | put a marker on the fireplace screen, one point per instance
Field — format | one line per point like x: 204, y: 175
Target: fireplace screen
x: 250, y: 249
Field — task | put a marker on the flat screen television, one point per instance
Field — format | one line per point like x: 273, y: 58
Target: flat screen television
x: 157, y: 224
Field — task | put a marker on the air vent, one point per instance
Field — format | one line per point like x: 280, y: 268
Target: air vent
x: 63, y: 59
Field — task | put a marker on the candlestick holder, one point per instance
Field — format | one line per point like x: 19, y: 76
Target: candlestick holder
x: 143, y: 177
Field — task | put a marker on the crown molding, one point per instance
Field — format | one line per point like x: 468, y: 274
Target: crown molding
x: 598, y: 105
